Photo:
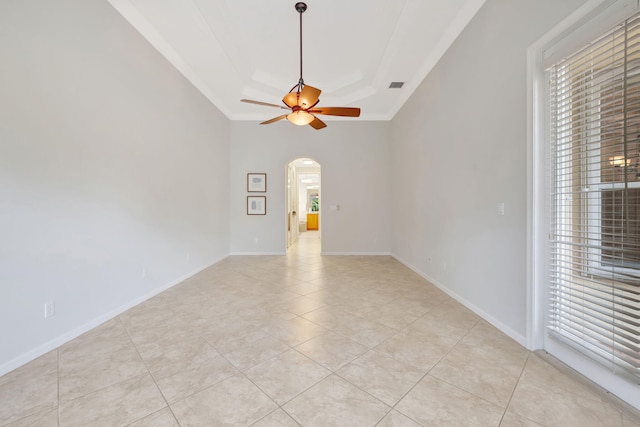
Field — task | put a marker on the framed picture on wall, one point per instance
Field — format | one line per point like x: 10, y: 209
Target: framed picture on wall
x: 256, y: 205
x: 257, y: 182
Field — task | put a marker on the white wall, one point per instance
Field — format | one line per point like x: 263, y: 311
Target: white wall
x: 354, y: 160
x: 111, y: 163
x: 459, y: 149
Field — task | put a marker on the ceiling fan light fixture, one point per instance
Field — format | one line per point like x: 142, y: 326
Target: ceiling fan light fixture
x: 300, y: 118
x: 308, y: 97
x: 291, y: 99
x: 302, y: 99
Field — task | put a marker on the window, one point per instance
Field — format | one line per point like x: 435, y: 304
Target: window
x: 593, y: 190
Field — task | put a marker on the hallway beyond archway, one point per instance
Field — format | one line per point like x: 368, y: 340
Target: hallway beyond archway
x: 303, y: 207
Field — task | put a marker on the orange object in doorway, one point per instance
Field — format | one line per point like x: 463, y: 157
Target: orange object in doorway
x: 312, y: 220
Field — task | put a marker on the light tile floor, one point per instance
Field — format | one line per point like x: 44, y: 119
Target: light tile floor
x: 301, y: 340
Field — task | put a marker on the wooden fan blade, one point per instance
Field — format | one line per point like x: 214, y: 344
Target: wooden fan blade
x: 337, y: 111
x: 275, y: 119
x: 309, y: 97
x: 249, y: 101
x: 317, y: 124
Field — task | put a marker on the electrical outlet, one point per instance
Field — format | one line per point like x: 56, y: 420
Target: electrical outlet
x: 144, y: 273
x: 49, y: 309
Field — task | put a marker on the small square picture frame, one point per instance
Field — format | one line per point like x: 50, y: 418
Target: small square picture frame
x: 256, y: 205
x: 256, y: 182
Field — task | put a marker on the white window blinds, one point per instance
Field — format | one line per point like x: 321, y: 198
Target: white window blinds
x: 594, y: 199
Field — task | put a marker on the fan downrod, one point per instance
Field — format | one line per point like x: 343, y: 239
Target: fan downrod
x: 301, y: 7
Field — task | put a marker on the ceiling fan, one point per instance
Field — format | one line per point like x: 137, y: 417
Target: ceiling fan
x: 302, y: 99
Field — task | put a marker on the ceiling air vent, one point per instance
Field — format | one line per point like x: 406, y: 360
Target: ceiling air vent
x: 396, y: 85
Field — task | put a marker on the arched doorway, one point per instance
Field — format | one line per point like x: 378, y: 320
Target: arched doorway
x: 303, y: 217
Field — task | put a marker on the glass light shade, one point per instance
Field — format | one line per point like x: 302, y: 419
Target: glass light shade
x: 308, y: 96
x: 304, y: 101
x: 300, y: 118
x: 619, y: 161
x: 291, y: 99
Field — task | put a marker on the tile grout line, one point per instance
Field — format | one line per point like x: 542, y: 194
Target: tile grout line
x: 474, y: 394
x: 515, y: 387
x: 242, y: 373
x: 150, y: 374
x: 429, y: 370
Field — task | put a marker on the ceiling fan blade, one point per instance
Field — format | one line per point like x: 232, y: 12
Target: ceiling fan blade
x: 309, y: 96
x: 275, y: 119
x: 249, y: 101
x: 317, y: 124
x: 337, y: 111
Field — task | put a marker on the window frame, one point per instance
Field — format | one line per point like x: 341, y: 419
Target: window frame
x: 587, y: 22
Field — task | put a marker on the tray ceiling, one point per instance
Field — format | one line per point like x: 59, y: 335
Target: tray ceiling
x: 352, y: 50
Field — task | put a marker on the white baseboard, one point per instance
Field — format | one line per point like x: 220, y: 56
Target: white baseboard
x: 40, y: 350
x: 257, y: 253
x: 519, y: 338
x: 321, y: 253
x: 356, y: 253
